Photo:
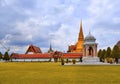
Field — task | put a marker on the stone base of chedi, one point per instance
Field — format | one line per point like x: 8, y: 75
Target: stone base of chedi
x: 90, y: 60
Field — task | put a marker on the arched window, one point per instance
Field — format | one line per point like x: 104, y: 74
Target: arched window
x: 90, y: 51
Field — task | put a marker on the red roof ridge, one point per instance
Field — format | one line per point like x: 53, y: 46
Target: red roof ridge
x: 33, y: 49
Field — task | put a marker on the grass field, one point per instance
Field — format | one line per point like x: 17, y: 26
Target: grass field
x: 54, y: 73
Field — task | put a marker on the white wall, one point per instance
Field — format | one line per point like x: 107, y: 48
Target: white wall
x: 30, y: 60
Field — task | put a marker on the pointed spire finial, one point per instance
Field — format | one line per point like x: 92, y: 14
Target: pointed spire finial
x: 50, y: 49
x: 50, y: 46
x: 90, y: 33
x: 81, y: 23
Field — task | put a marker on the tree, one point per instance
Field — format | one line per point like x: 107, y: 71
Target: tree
x: 6, y: 56
x: 100, y: 54
x: 56, y: 55
x: 116, y: 53
x: 1, y: 55
x: 67, y: 60
x: 62, y: 61
x: 74, y: 61
x: 108, y: 53
x: 103, y: 55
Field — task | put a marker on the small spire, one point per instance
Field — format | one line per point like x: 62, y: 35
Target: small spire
x: 50, y: 49
x: 81, y: 23
x: 89, y: 33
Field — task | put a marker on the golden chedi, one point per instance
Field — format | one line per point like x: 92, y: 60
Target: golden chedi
x: 78, y: 47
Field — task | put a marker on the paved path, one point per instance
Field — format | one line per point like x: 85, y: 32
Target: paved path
x: 68, y: 64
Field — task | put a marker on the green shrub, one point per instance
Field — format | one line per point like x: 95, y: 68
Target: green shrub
x: 1, y: 55
x: 6, y: 56
x: 110, y: 60
x: 74, y: 61
x: 67, y: 60
x: 62, y: 61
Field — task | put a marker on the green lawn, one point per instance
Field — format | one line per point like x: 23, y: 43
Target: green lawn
x: 54, y: 73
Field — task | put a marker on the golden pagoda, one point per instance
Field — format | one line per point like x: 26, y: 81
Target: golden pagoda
x: 79, y: 45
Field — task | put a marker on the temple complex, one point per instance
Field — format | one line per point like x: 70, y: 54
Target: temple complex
x: 85, y: 50
x: 118, y: 44
x: 78, y: 47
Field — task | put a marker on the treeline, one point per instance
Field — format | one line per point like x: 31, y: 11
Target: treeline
x: 5, y: 56
x: 109, y: 55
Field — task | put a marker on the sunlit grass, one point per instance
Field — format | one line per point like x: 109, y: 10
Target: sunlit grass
x: 54, y: 73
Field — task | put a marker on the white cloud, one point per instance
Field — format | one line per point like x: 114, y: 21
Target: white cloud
x: 39, y: 21
x: 99, y: 7
x: 116, y: 20
x: 2, y: 3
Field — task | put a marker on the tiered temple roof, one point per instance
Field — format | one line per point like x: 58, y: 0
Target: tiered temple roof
x: 33, y: 49
x: 36, y: 53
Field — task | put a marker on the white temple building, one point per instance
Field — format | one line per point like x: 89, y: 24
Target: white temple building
x: 90, y: 50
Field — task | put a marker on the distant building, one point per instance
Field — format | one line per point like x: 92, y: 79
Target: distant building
x: 90, y: 46
x: 90, y: 50
x: 38, y: 57
x: 50, y: 49
x: 33, y: 53
x: 33, y: 49
x: 118, y: 44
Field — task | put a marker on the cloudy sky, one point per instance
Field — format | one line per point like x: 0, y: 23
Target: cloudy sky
x: 39, y: 22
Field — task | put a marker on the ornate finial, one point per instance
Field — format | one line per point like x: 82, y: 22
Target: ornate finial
x: 81, y: 23
x: 50, y: 46
x: 50, y: 49
x: 89, y: 33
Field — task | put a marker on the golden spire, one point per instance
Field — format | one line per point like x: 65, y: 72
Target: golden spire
x: 81, y: 36
x: 79, y: 45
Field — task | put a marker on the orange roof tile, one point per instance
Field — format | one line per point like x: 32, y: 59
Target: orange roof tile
x: 33, y: 49
x: 31, y: 56
x: 72, y: 55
